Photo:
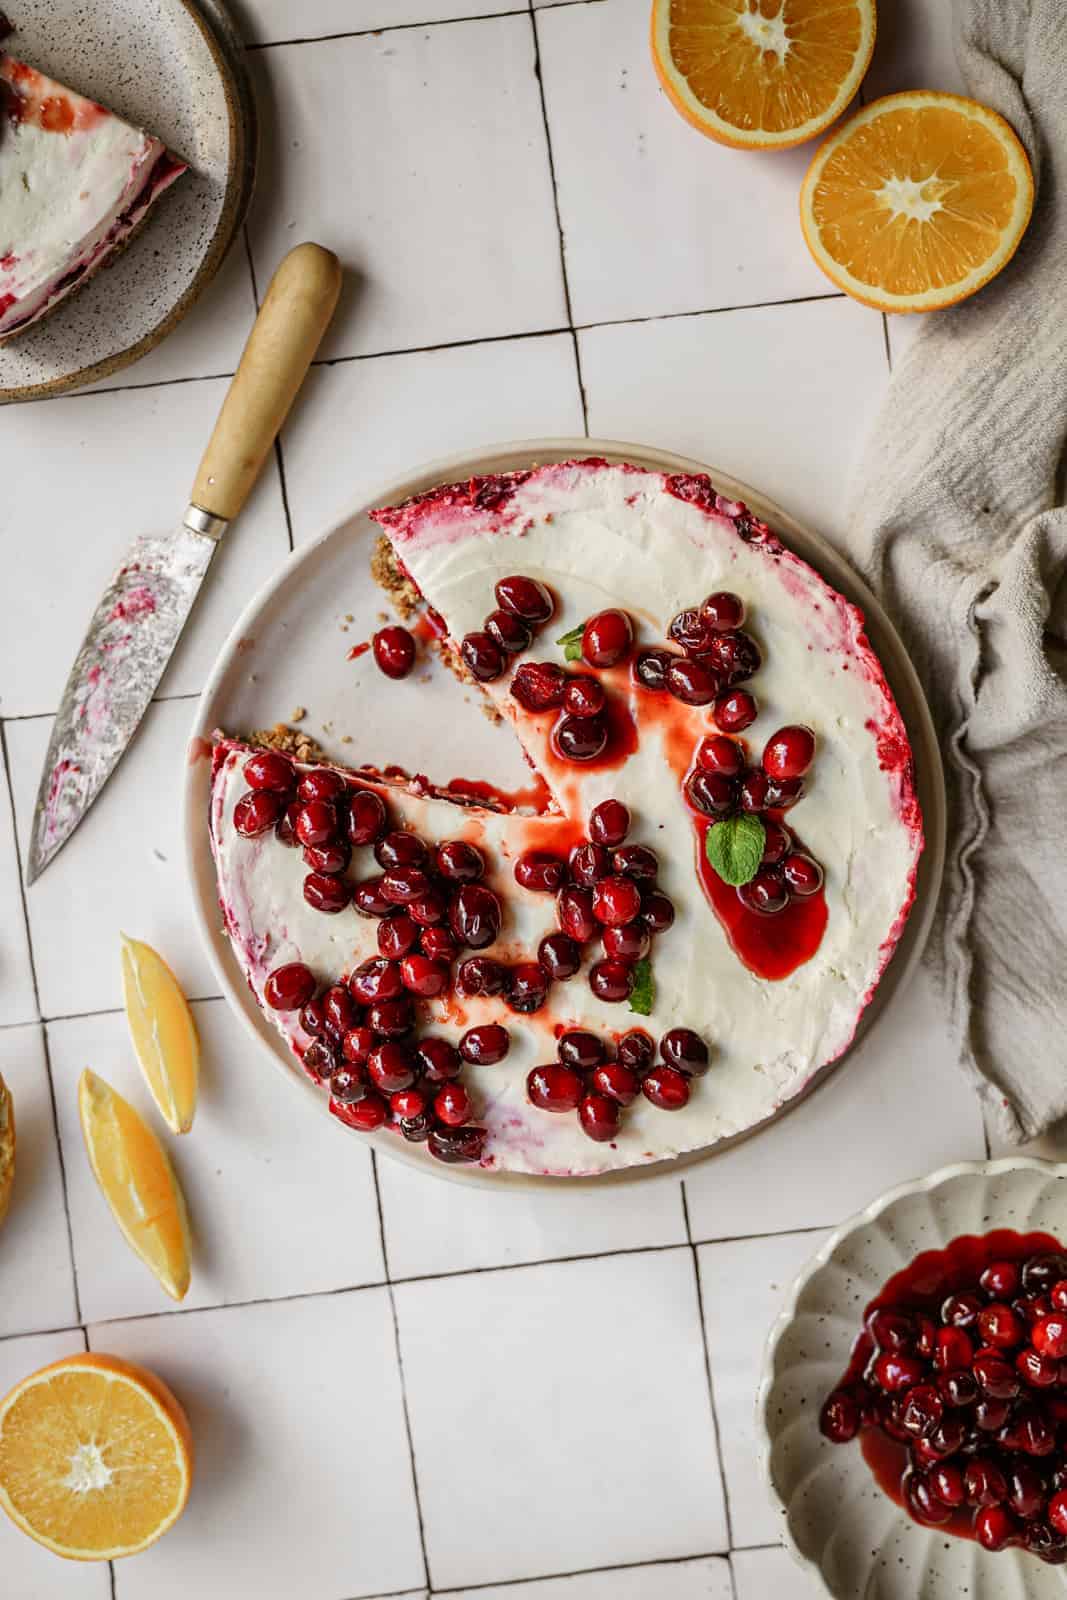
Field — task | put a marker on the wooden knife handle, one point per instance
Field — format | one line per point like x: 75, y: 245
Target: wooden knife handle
x: 291, y: 322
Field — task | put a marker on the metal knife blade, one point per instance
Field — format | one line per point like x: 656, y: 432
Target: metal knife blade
x: 125, y: 652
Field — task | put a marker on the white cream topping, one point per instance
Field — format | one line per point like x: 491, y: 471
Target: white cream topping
x: 609, y: 537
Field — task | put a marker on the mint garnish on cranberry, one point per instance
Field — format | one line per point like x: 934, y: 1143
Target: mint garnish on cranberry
x: 643, y: 993
x: 735, y: 848
x: 572, y: 643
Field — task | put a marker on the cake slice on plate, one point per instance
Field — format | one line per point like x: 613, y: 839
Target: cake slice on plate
x: 75, y: 182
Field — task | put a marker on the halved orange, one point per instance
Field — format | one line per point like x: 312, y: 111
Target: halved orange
x: 762, y: 74
x: 917, y: 201
x: 96, y: 1457
x: 7, y: 1147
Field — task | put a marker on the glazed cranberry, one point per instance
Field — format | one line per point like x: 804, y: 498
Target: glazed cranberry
x: 666, y: 1088
x: 803, y: 874
x: 370, y: 900
x: 285, y: 827
x: 650, y: 668
x: 685, y: 1051
x: 886, y: 1413
x: 1029, y: 1431
x: 574, y: 909
x: 953, y: 1350
x: 396, y: 936
x: 720, y: 754
x: 348, y: 1084
x: 984, y: 1483
x: 459, y: 862
x: 1058, y: 1296
x: 996, y: 1376
x: 370, y: 1113
x: 996, y: 1528
x: 734, y: 656
x: 611, y: 980
x: 958, y: 1388
x: 331, y: 858
x: 580, y: 738
x: 555, y: 1088
x: 947, y: 1482
x: 269, y: 770
x: 289, y: 988
x: 789, y: 752
x: 437, y: 1060
x: 407, y: 1103
x: 366, y: 817
x: 525, y: 598
x: 1042, y: 1273
x: 321, y: 1059
x: 891, y: 1330
x: 949, y: 1436
x: 895, y: 1372
x: 752, y: 790
x: 735, y: 711
x: 416, y: 1130
x: 485, y: 1045
x: 588, y: 864
x: 424, y: 977
x: 922, y: 1410
x: 584, y: 696
x: 482, y: 975
x: 1000, y: 1280
x: 960, y: 1310
x: 457, y: 1146
x: 711, y: 792
x: 657, y: 910
x: 527, y: 987
x: 1048, y: 1546
x: 723, y: 611
x: 777, y: 843
x: 257, y: 811
x: 925, y: 1336
x: 428, y: 909
x: 606, y: 638
x: 540, y: 872
x: 599, y: 1117
x: 617, y: 1082
x: 636, y: 861
x: 400, y: 849
x: 559, y: 956
x: 390, y: 1067
x: 316, y: 822
x: 609, y: 823
x: 991, y: 1415
x: 357, y: 1045
x: 1057, y: 1511
x: 474, y: 915
x: 630, y: 942
x: 1026, y: 1491
x: 507, y: 631
x: 692, y: 682
x: 402, y: 885
x: 1032, y: 1307
x: 1039, y: 1371
x: 689, y: 631
x: 781, y: 793
x: 437, y: 943
x: 394, y: 651
x: 375, y: 979
x: 482, y: 656
x: 998, y: 1325
x: 339, y: 1010
x: 313, y: 1016
x: 766, y: 892
x: 1049, y: 1335
x: 452, y: 1105
x: 616, y: 901
x: 839, y: 1419
x: 923, y: 1502
x: 581, y: 1050
x: 324, y: 893
x: 320, y: 784
x: 539, y: 685
x: 391, y: 1018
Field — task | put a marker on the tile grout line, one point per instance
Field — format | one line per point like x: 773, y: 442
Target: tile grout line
x: 589, y: 1572
x: 407, y: 27
x: 885, y: 340
x: 707, y: 1370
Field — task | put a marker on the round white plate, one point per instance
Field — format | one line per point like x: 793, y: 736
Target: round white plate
x: 289, y: 650
x: 175, y: 68
x: 836, y: 1520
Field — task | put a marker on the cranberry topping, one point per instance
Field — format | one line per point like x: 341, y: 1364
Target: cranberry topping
x: 474, y: 915
x: 559, y: 956
x: 606, y: 638
x: 609, y: 823
x: 390, y: 1067
x: 694, y: 682
x: 734, y: 655
x: 285, y: 827
x: 657, y: 910
x: 1000, y: 1280
x: 437, y: 1059
x: 407, y: 1103
x: 722, y: 755
x: 424, y: 977
x: 711, y: 793
x: 802, y: 874
x: 650, y: 668
x: 752, y: 792
x: 357, y: 1045
x: 922, y: 1410
x: 482, y: 656
x: 508, y: 631
x: 316, y: 822
x: 459, y: 862
x: 954, y: 1349
x: 452, y: 1105
x: 331, y: 858
x: 789, y: 752
x: 996, y: 1528
x: 290, y: 987
x: 485, y: 1044
x: 366, y: 817
x: 581, y: 1050
x: 269, y: 770
x: 320, y: 784
x: 391, y: 1018
x: 313, y: 1016
x: 555, y: 1087
x: 1057, y: 1296
x: 1049, y: 1335
x: 611, y: 980
x: 348, y: 1084
x: 437, y: 943
x: 685, y: 1051
x: 777, y: 843
x: 527, y: 987
x: 574, y: 910
x: 999, y: 1325
x: 428, y: 909
x: 525, y: 598
x: 629, y: 942
x: 257, y: 811
x: 1057, y: 1511
x: 338, y: 1010
x: 1039, y: 1371
x: 320, y: 1058
x: 584, y: 696
x: 636, y: 1050
x: 457, y: 1145
x: 765, y: 892
x: 617, y: 1081
x: 666, y: 1088
x: 403, y: 885
x: 690, y: 631
x: 400, y: 849
x: 735, y: 711
x: 723, y: 612
x: 394, y: 651
x: 539, y: 685
x: 370, y: 900
x: 839, y: 1418
x: 923, y: 1502
x: 960, y: 1310
x: 370, y: 1113
x: 580, y: 739
x: 636, y: 861
x: 328, y: 894
x: 483, y: 976
x: 588, y: 864
x: 540, y: 872
x: 599, y: 1117
x: 616, y: 901
x: 397, y: 935
x: 376, y: 979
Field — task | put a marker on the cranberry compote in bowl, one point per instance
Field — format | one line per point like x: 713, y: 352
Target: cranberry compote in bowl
x: 913, y: 1406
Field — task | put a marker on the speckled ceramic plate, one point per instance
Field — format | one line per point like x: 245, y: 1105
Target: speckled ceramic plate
x: 287, y: 651
x: 176, y: 68
x: 835, y: 1519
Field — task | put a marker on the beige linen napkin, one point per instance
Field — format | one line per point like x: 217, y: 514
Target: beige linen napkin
x: 959, y: 523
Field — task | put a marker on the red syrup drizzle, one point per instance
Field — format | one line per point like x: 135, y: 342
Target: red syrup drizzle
x: 770, y: 946
x: 537, y: 795
x: 922, y: 1286
x: 358, y: 650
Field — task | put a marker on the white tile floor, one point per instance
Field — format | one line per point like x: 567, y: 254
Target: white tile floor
x: 528, y: 254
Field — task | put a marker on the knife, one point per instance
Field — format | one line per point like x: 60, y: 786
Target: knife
x: 144, y: 608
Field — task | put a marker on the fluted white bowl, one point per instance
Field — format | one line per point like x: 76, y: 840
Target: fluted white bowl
x: 835, y: 1519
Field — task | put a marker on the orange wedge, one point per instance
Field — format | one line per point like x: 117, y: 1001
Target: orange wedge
x: 761, y: 74
x: 917, y: 201
x: 7, y: 1148
x: 138, y: 1182
x: 163, y: 1033
x: 96, y: 1458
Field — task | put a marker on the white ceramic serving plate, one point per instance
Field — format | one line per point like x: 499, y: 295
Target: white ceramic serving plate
x: 289, y: 649
x: 835, y: 1519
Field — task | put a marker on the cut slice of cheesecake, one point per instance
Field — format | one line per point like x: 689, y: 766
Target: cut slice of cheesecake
x: 75, y: 182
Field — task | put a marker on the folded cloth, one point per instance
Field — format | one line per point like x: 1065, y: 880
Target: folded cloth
x: 958, y: 520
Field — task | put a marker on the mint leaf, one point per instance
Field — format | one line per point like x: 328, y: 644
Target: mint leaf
x: 735, y: 848
x: 572, y: 643
x: 643, y: 993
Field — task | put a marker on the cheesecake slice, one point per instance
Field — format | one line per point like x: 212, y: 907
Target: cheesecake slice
x: 75, y: 183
